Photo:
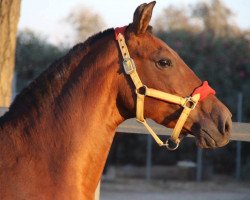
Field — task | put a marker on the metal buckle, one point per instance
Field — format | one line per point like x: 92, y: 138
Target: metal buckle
x: 128, y: 65
x: 189, y: 103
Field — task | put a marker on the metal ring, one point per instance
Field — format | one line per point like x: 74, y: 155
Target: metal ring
x: 171, y: 148
x: 144, y: 92
x: 191, y: 101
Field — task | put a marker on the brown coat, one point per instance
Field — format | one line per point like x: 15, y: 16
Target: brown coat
x: 55, y: 139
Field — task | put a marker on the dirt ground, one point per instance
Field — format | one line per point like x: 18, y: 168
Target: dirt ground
x: 139, y: 189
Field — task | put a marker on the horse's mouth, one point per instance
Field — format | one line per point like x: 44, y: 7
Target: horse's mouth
x: 202, y: 137
x: 205, y: 140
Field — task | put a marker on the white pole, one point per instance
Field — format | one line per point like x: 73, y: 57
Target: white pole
x: 238, y: 143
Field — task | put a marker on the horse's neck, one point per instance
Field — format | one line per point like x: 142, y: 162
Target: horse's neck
x: 73, y: 141
x: 93, y: 128
x: 97, y: 118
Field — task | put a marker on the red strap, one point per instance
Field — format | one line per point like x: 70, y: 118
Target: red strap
x: 119, y: 30
x: 204, y: 90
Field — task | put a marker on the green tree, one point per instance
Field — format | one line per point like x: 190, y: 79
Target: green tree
x: 85, y: 22
x: 216, y: 18
x: 174, y: 18
x: 33, y: 55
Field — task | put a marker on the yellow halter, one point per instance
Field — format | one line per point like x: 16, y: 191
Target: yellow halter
x: 188, y: 103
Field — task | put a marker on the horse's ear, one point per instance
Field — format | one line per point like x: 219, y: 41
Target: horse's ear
x: 142, y: 16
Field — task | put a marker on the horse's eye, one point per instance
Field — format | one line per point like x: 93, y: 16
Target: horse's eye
x: 164, y: 63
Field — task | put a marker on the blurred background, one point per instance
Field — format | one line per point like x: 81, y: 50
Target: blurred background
x: 212, y: 37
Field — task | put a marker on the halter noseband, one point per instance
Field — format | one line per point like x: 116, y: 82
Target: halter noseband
x: 188, y: 103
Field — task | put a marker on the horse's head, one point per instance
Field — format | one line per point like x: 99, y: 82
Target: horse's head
x: 161, y: 68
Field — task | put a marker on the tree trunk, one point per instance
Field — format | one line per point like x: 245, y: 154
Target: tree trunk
x: 9, y: 16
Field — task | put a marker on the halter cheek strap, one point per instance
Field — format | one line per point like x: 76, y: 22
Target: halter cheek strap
x: 188, y: 103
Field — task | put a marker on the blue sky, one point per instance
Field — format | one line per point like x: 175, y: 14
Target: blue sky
x: 47, y: 16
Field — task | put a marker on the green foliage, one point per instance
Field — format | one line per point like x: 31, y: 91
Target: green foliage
x: 173, y: 18
x: 84, y: 22
x: 33, y: 55
x: 216, y: 18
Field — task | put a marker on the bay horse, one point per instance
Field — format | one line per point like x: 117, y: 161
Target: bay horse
x: 55, y: 138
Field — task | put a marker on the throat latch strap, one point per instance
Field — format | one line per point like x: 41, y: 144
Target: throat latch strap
x: 188, y: 103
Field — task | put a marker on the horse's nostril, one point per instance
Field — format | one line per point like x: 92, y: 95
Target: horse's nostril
x: 228, y: 125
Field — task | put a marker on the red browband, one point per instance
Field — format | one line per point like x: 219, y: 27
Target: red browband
x: 120, y: 30
x: 204, y: 90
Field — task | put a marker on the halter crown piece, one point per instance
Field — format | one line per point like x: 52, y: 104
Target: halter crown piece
x: 188, y: 103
